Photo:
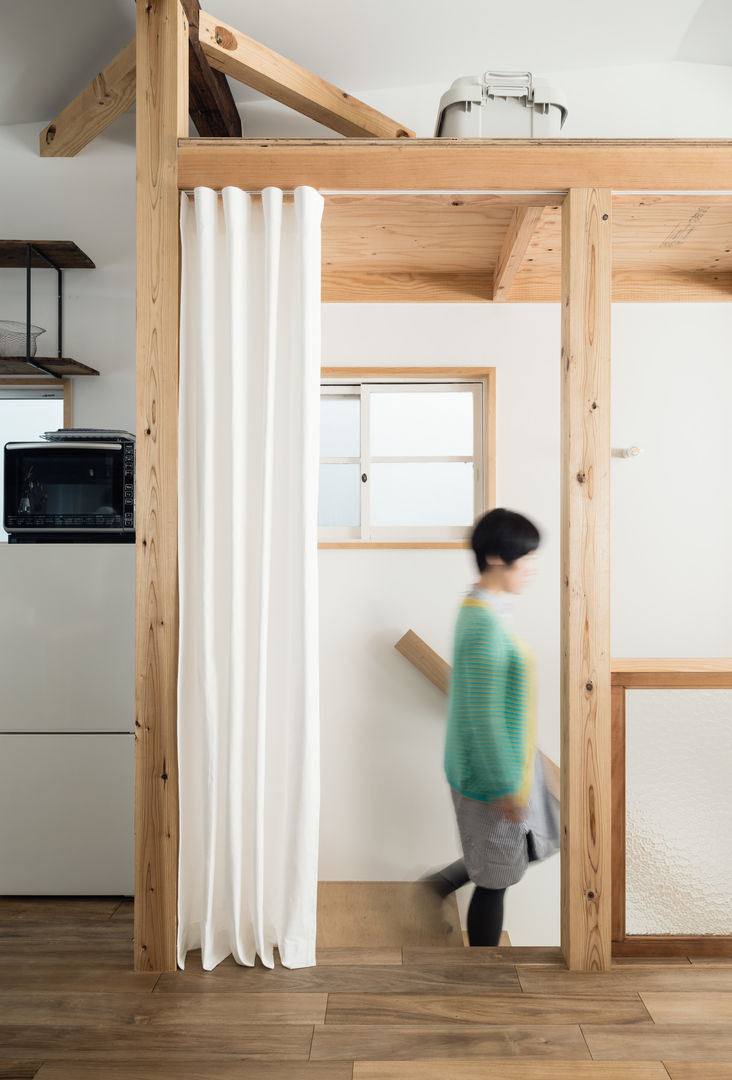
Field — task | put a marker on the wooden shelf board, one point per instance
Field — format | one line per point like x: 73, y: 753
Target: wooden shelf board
x: 18, y: 365
x: 64, y: 253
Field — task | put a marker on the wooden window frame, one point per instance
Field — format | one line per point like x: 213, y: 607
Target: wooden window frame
x: 486, y: 376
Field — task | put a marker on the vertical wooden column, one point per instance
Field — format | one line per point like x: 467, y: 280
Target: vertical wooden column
x: 162, y: 115
x: 585, y: 604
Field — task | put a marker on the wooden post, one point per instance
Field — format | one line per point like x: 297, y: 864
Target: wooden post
x: 162, y: 116
x: 585, y: 605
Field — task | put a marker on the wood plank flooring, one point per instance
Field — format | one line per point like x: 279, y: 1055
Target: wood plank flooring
x: 71, y: 1008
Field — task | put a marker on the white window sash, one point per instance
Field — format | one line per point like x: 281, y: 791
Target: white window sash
x: 364, y: 389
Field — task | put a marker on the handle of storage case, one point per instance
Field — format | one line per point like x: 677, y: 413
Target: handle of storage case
x: 509, y: 84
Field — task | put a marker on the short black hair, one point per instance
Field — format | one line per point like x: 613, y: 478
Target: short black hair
x: 505, y: 534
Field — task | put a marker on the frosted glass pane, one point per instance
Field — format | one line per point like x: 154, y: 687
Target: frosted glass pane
x: 340, y: 426
x: 339, y: 495
x: 23, y: 421
x: 678, y: 812
x: 425, y: 424
x: 430, y: 493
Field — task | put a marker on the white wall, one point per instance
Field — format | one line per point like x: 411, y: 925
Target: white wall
x: 386, y: 811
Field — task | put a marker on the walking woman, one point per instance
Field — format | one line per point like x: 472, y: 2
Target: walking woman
x: 500, y: 799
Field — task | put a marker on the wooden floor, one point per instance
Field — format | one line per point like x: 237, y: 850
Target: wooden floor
x: 71, y: 1008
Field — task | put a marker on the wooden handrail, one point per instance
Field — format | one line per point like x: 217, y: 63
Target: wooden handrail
x: 670, y: 673
x: 438, y: 671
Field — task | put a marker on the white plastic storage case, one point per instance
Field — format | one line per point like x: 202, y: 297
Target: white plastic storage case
x: 501, y: 105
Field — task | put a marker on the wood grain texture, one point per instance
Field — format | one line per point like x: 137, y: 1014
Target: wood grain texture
x: 399, y: 1042
x: 515, y: 954
x: 524, y: 221
x: 392, y: 979
x: 64, y: 253
x: 636, y: 978
x: 693, y: 1042
x: 685, y: 1008
x: 651, y: 947
x: 385, y: 913
x: 669, y: 674
x: 351, y: 956
x: 211, y: 106
x: 255, y: 65
x: 530, y: 287
x: 617, y: 787
x: 107, y: 96
x: 465, y: 1069
x: 585, y: 579
x: 425, y: 659
x: 459, y: 164
x: 699, y: 1070
x: 59, y: 1026
x: 482, y: 1009
x: 162, y: 83
x: 17, y: 365
x: 212, y: 1068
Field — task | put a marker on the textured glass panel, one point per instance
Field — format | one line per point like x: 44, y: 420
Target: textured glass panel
x: 430, y: 493
x: 427, y: 424
x: 340, y: 426
x: 339, y: 495
x: 23, y: 421
x: 678, y: 812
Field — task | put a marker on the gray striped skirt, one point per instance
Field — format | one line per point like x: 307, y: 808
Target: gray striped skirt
x: 497, y: 852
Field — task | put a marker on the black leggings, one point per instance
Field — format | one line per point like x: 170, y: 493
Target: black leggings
x: 485, y: 916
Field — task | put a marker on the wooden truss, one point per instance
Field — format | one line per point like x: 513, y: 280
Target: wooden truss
x: 416, y: 220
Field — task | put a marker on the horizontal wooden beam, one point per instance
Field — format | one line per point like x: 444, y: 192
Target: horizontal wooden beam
x: 407, y: 287
x: 211, y: 106
x: 255, y: 65
x: 672, y: 673
x: 518, y: 237
x: 458, y: 165
x: 107, y: 96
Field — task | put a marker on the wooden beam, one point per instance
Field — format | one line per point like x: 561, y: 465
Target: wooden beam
x: 212, y: 107
x: 585, y: 594
x: 162, y: 84
x: 458, y: 165
x: 518, y: 237
x: 257, y: 66
x: 699, y: 673
x: 107, y: 96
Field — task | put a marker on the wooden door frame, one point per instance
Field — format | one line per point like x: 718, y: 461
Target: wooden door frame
x: 587, y: 169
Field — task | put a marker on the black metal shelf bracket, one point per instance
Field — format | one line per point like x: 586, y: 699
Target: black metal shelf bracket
x: 30, y: 250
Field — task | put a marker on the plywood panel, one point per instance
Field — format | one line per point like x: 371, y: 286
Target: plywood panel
x: 385, y: 913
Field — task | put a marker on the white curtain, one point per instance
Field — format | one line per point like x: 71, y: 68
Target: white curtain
x: 248, y: 709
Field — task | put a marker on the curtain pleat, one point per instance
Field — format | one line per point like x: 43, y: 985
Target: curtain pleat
x: 248, y: 694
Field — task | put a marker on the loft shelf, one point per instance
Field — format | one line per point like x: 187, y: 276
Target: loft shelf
x: 58, y: 255
x: 62, y: 253
x: 53, y: 365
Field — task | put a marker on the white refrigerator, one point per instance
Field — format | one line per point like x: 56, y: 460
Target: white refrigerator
x: 66, y: 719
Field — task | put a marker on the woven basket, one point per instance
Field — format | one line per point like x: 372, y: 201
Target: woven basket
x: 12, y: 338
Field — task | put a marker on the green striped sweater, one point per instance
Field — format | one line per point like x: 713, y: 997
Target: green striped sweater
x: 491, y: 727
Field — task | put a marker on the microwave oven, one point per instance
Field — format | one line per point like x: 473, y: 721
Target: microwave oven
x: 66, y: 490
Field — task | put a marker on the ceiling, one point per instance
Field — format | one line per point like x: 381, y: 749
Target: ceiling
x: 50, y: 49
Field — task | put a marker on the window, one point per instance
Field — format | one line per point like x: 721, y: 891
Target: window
x: 27, y: 409
x: 405, y: 457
